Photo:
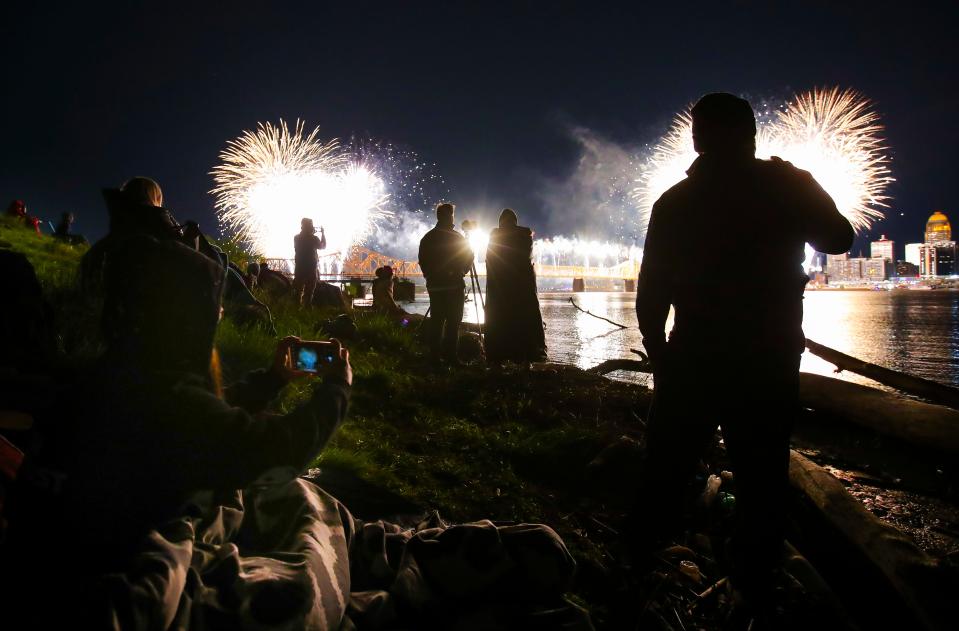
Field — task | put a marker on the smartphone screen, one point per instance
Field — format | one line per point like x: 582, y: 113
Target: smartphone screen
x: 311, y: 358
x: 306, y: 359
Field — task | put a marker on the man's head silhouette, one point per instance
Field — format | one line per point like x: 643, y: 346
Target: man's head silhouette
x: 444, y: 214
x: 723, y: 123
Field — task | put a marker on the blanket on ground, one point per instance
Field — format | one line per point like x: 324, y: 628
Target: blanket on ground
x: 292, y: 557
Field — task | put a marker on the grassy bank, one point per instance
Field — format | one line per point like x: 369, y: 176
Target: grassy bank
x: 508, y: 445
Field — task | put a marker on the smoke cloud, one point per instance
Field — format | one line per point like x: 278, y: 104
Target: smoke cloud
x: 595, y: 200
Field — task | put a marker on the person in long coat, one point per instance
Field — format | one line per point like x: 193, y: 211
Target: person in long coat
x: 514, y: 325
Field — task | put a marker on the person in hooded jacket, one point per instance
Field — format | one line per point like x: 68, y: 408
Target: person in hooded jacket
x: 159, y: 426
x: 136, y: 208
x: 514, y: 324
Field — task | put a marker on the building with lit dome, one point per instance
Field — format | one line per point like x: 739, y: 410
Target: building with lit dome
x: 937, y: 255
x: 938, y: 229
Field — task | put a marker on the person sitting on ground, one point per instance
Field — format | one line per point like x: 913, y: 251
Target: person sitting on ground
x: 158, y: 428
x: 274, y: 283
x: 63, y: 231
x: 514, y: 325
x: 136, y: 208
x: 445, y: 257
x: 18, y: 209
x: 383, y: 300
x: 305, y: 274
x: 732, y: 358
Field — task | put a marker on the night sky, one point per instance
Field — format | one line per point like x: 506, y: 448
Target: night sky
x: 495, y: 97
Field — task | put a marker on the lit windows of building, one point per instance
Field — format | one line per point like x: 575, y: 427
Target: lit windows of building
x: 938, y: 229
x: 876, y: 269
x: 882, y: 249
x: 937, y: 259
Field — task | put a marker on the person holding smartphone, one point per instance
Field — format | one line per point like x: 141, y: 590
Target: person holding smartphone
x: 160, y: 425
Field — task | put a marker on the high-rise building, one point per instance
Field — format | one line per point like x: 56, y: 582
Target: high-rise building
x: 938, y: 229
x: 876, y: 269
x: 938, y: 259
x: 938, y: 253
x: 882, y: 249
x: 913, y: 253
x: 841, y: 268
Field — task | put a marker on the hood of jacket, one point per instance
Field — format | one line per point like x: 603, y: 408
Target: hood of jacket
x: 161, y: 304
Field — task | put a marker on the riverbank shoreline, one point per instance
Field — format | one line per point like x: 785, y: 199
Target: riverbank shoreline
x: 548, y: 443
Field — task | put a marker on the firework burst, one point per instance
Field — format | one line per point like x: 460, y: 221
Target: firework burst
x: 834, y: 134
x: 270, y: 178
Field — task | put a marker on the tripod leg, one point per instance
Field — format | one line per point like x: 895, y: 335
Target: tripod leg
x: 425, y: 315
x: 474, y: 283
x: 476, y: 277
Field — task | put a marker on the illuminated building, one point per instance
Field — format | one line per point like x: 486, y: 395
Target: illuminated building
x: 882, y: 249
x: 937, y: 259
x: 841, y: 268
x: 937, y: 255
x: 876, y: 269
x: 938, y: 229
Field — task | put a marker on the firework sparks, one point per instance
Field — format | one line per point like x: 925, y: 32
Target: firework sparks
x: 587, y: 253
x: 270, y: 178
x: 834, y: 134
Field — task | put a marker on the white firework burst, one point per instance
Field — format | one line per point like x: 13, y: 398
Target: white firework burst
x: 270, y: 178
x: 834, y: 134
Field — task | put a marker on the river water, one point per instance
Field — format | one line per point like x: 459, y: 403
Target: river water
x: 913, y: 331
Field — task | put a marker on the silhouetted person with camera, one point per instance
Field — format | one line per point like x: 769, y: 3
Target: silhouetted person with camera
x: 732, y: 358
x: 445, y: 257
x: 305, y: 246
x: 514, y: 324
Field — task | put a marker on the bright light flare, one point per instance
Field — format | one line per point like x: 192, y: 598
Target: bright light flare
x: 271, y: 178
x: 478, y: 240
x: 834, y: 134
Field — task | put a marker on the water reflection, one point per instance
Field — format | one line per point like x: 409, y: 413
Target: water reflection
x: 913, y: 331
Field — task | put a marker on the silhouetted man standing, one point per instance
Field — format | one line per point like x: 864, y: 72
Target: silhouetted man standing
x: 445, y: 257
x: 305, y: 245
x: 725, y: 248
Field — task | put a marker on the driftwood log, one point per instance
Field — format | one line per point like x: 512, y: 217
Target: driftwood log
x: 883, y: 578
x: 930, y: 390
x: 919, y: 423
x: 610, y: 365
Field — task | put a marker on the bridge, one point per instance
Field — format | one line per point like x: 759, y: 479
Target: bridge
x: 362, y: 264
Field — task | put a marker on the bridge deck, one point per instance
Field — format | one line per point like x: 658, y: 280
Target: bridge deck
x: 362, y: 264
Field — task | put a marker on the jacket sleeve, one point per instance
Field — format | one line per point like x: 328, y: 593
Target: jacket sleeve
x: 255, y: 391
x: 423, y: 256
x: 231, y: 449
x: 653, y: 295
x: 824, y: 227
